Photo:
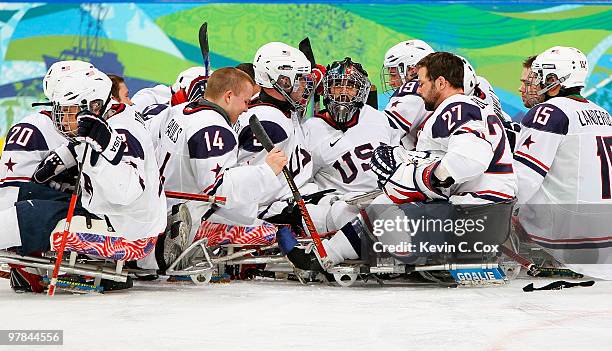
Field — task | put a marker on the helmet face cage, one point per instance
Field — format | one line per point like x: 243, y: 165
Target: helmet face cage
x: 65, y: 116
x: 392, y: 77
x: 296, y: 92
x: 345, y: 88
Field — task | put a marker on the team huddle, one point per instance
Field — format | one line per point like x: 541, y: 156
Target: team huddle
x: 442, y: 138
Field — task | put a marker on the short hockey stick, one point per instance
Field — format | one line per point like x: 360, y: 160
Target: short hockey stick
x: 71, y: 207
x: 264, y: 139
x: 534, y: 270
x: 196, y: 197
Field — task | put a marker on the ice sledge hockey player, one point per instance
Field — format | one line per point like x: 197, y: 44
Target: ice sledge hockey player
x: 284, y: 75
x: 406, y: 108
x: 563, y: 166
x: 462, y: 157
x: 39, y: 136
x: 198, y: 153
x: 120, y: 212
x: 189, y: 86
x: 341, y: 140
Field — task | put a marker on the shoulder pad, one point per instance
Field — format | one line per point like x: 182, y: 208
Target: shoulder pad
x: 247, y: 141
x: 25, y: 137
x: 133, y: 146
x: 153, y: 110
x: 548, y: 118
x: 211, y: 141
x: 454, y: 116
x: 409, y: 88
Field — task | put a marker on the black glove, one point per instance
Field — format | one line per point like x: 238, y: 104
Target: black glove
x: 290, y: 215
x: 55, y: 163
x: 102, y: 138
x: 93, y: 130
x: 65, y: 181
x: 383, y: 163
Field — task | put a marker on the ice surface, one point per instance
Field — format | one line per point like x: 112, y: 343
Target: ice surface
x: 282, y: 315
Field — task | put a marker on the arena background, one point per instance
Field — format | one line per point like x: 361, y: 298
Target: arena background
x: 151, y: 42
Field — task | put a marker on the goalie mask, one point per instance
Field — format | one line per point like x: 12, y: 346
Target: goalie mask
x: 566, y: 67
x: 88, y: 90
x: 399, y: 60
x: 345, y: 89
x: 286, y: 70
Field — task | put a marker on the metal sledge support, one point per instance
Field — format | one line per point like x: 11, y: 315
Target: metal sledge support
x: 190, y: 268
x: 85, y: 269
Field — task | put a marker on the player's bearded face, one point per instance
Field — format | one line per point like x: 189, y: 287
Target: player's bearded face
x: 300, y: 90
x: 529, y: 88
x: 427, y: 90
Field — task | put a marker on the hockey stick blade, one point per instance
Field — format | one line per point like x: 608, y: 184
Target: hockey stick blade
x: 306, y: 49
x: 203, y: 39
x: 264, y: 139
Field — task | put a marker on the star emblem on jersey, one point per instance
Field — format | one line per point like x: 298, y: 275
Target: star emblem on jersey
x: 527, y: 143
x: 10, y: 164
x: 216, y: 170
x: 395, y: 103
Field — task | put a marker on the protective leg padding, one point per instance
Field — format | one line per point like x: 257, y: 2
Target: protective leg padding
x: 218, y: 234
x: 98, y: 241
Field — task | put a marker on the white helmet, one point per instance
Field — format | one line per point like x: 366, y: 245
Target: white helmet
x: 469, y: 77
x: 403, y: 56
x: 284, y: 68
x: 82, y: 90
x: 190, y: 85
x: 59, y: 70
x: 484, y: 91
x: 568, y: 65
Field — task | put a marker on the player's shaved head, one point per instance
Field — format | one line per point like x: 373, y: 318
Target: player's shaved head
x: 443, y: 64
x: 227, y: 79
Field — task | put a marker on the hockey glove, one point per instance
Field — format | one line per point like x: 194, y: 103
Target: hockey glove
x: 382, y: 163
x: 55, y: 163
x: 387, y: 158
x: 414, y: 179
x: 102, y: 138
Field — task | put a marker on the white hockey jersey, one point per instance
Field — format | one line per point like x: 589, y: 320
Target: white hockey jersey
x: 563, y: 163
x: 128, y: 192
x: 406, y: 111
x: 198, y: 153
x: 155, y: 116
x: 476, y: 151
x: 341, y: 157
x: 159, y: 94
x: 285, y: 131
x: 27, y: 144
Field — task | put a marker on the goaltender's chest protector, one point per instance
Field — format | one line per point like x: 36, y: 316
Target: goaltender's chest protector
x: 341, y: 158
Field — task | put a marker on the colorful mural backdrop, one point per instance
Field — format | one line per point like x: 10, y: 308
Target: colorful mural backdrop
x: 152, y: 42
